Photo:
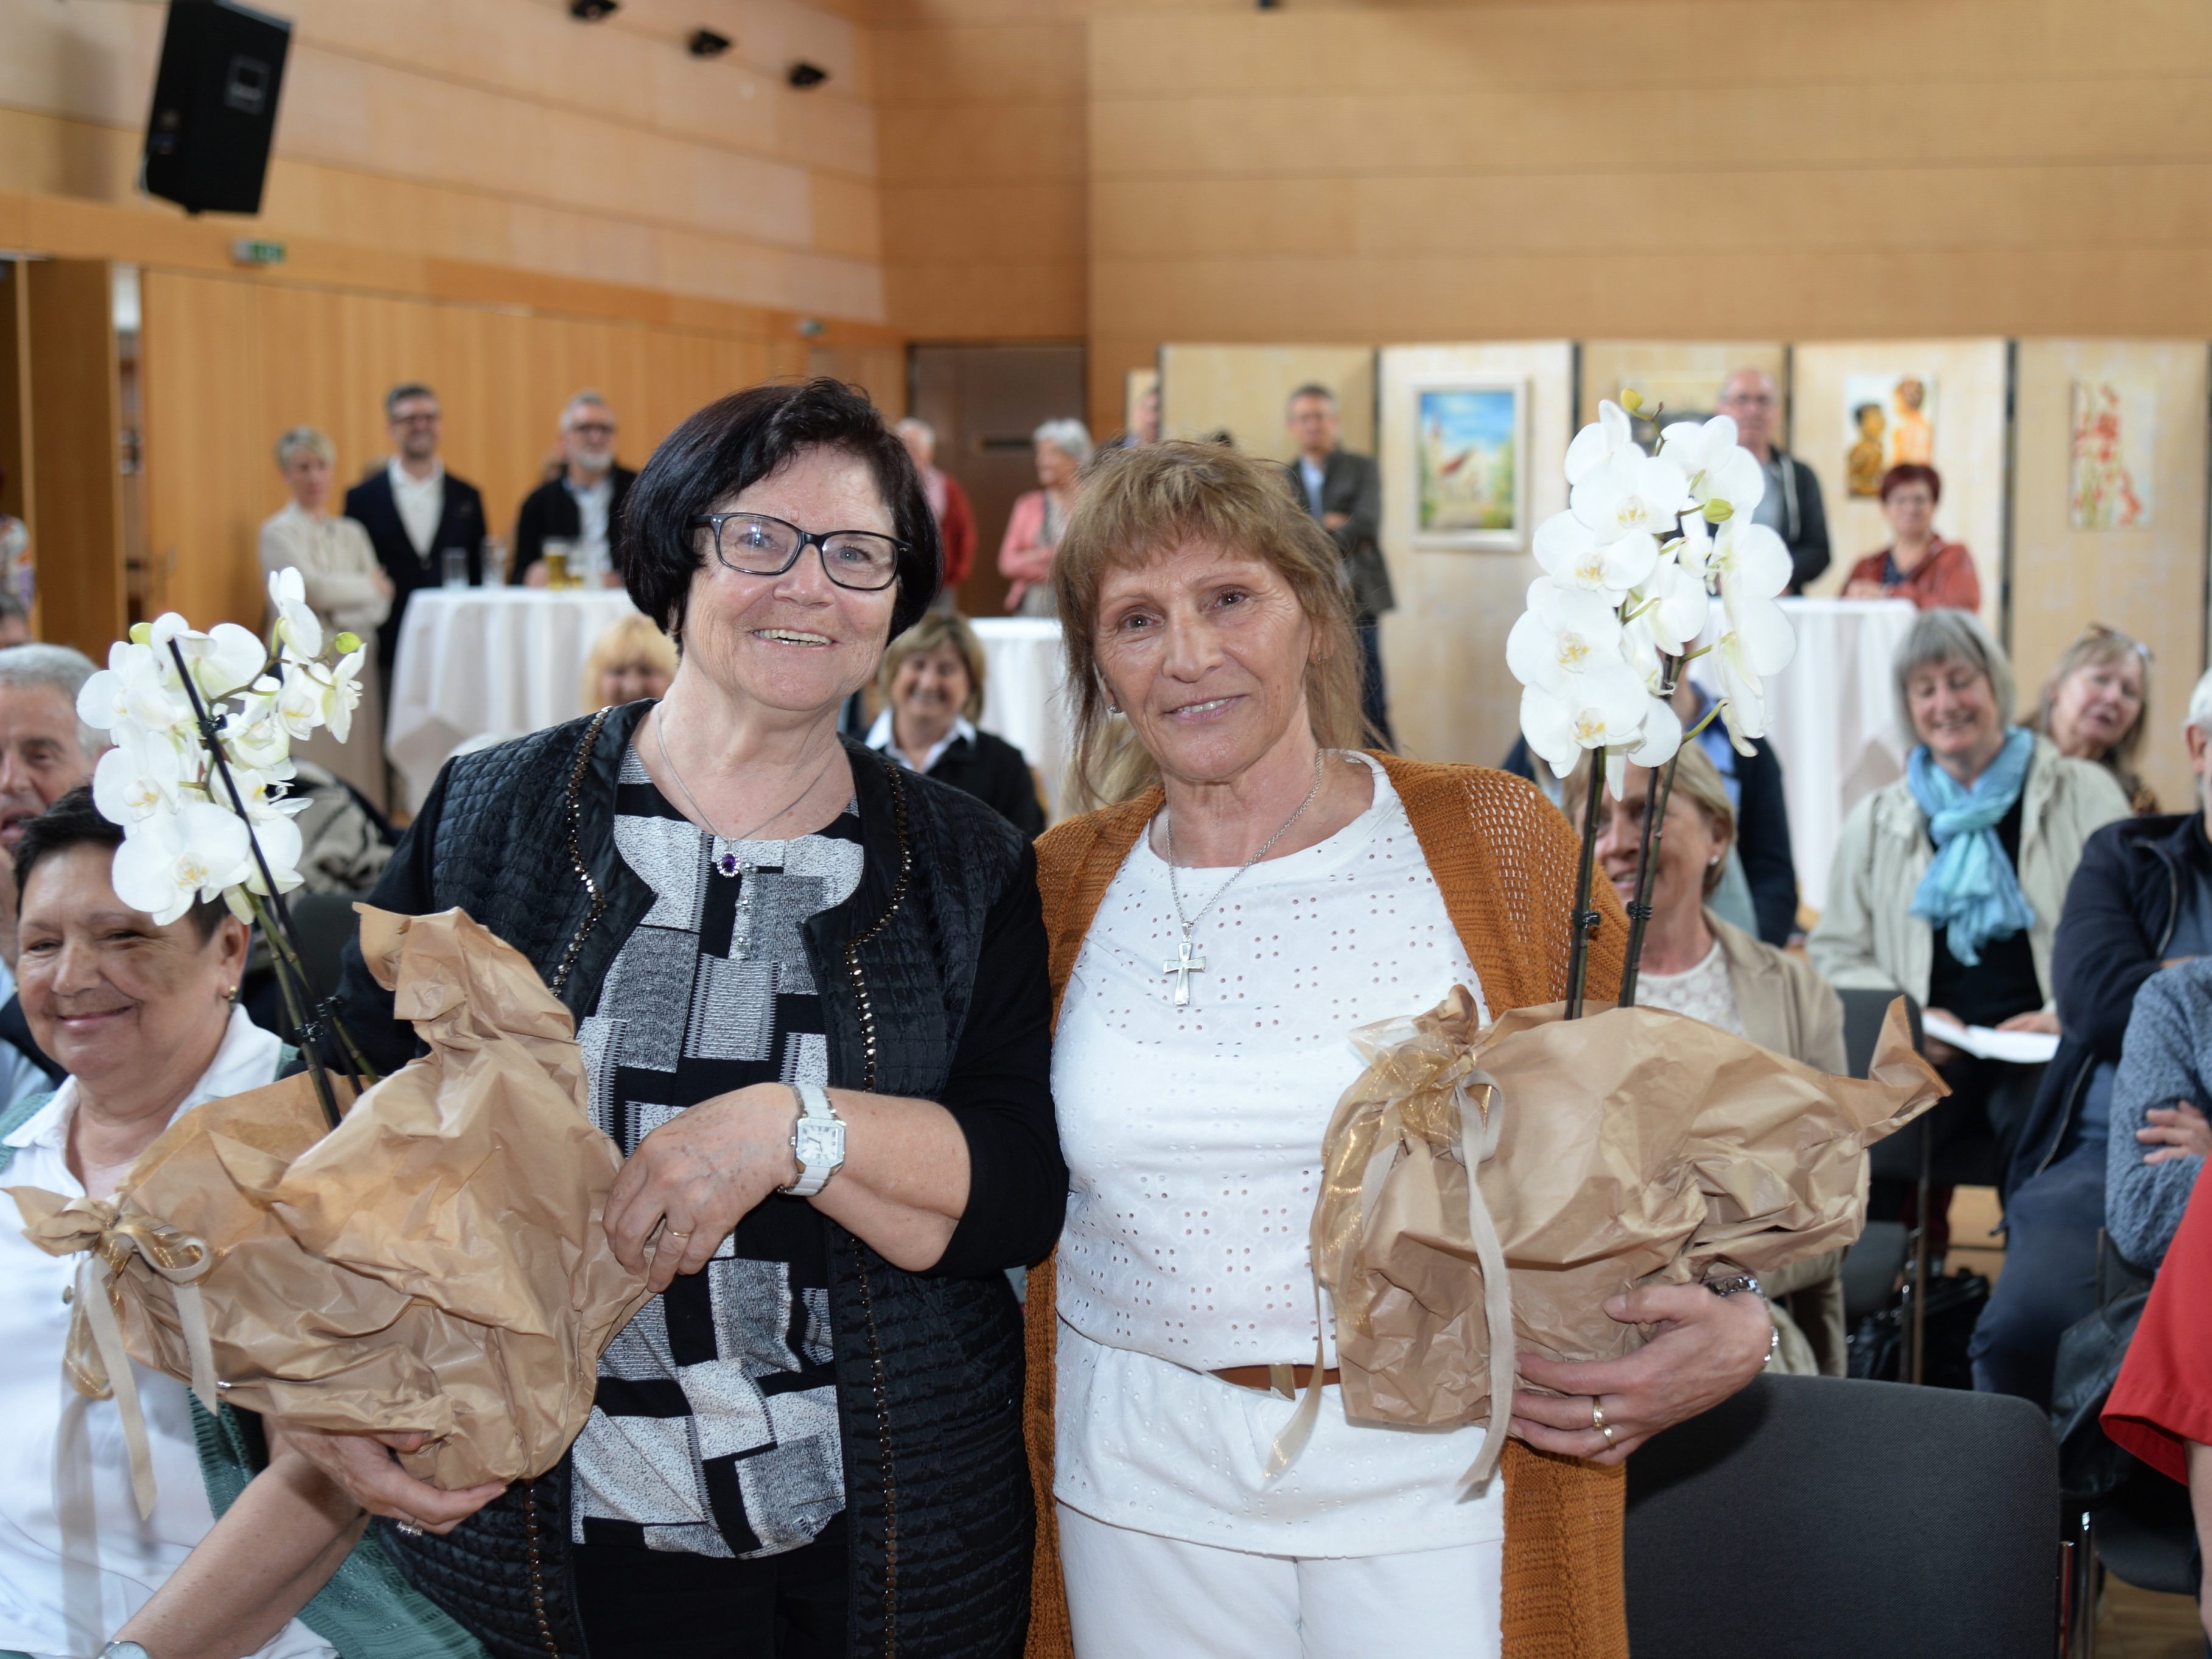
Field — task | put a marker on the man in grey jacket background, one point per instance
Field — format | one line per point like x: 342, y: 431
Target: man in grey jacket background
x: 1791, y: 507
x: 1345, y: 492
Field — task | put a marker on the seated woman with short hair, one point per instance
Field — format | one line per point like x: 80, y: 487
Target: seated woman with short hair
x: 1697, y: 963
x: 932, y: 682
x: 141, y: 1013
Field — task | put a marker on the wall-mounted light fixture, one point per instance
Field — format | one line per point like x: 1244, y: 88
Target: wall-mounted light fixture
x: 705, y: 43
x: 594, y: 11
x: 803, y: 75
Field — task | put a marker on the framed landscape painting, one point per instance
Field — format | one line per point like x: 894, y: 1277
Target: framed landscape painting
x: 1470, y: 453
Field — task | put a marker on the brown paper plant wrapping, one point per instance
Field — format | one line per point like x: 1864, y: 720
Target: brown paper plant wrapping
x: 1631, y: 1147
x: 437, y: 1262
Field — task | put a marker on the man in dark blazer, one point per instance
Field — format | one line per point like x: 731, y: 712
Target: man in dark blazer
x: 1791, y: 507
x: 582, y: 504
x: 414, y: 510
x: 1345, y: 492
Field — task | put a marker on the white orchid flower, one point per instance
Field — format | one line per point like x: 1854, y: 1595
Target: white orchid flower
x: 300, y: 703
x: 1662, y: 736
x: 1565, y: 631
x: 133, y: 693
x: 1717, y: 467
x: 1574, y: 556
x: 297, y: 628
x: 281, y: 845
x: 225, y: 660
x: 256, y: 740
x: 1612, y: 432
x: 1632, y: 494
x: 173, y: 860
x: 1750, y: 559
x: 1756, y: 642
x: 135, y: 779
x: 344, y: 695
x: 1603, y: 707
x: 1672, y: 605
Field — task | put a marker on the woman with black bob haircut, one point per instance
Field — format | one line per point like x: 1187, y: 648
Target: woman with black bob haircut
x: 811, y: 992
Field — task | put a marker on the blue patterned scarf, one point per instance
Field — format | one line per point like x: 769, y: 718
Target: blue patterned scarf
x: 1971, y: 887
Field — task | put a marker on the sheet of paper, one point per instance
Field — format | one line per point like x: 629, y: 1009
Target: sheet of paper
x: 2019, y: 1048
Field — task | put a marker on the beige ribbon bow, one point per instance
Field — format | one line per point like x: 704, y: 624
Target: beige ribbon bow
x: 98, y: 1364
x: 1422, y: 1082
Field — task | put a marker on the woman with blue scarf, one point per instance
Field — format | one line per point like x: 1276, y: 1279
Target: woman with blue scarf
x: 1948, y: 885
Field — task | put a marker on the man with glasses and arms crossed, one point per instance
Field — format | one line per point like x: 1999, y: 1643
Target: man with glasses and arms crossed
x: 1791, y: 507
x: 414, y: 510
x: 581, y: 504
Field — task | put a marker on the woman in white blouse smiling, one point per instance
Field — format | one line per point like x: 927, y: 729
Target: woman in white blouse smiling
x: 1215, y: 939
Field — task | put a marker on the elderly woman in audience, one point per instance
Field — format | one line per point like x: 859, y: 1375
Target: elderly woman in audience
x: 1040, y: 518
x: 2092, y: 706
x: 1698, y: 964
x: 1948, y: 885
x: 809, y: 1439
x: 1918, y: 564
x: 1267, y: 889
x: 631, y: 659
x: 346, y: 588
x: 932, y: 682
x: 141, y: 1015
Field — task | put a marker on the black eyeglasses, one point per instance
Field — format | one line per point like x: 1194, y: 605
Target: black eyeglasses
x: 755, y: 544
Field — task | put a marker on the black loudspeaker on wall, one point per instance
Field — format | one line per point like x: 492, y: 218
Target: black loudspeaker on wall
x: 214, y: 105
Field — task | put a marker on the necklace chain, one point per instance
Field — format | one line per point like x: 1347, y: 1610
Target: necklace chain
x: 661, y: 738
x: 1174, y: 893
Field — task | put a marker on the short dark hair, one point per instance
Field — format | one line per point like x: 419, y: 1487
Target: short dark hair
x: 1311, y: 389
x: 1908, y: 472
x: 73, y: 821
x: 735, y: 442
x: 404, y: 389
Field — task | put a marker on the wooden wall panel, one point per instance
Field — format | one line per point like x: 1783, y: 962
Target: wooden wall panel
x: 2138, y: 579
x: 76, y: 452
x: 230, y: 363
x: 1245, y: 390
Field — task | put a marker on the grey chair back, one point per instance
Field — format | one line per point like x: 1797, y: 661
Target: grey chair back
x: 1827, y: 1518
x: 1863, y: 1013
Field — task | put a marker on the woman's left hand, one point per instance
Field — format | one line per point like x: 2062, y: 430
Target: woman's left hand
x: 2041, y: 1020
x: 1707, y: 1347
x: 699, y: 1173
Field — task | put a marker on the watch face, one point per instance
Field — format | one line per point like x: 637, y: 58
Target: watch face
x: 821, y: 1145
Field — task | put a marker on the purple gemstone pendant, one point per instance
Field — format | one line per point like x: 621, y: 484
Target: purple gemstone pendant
x: 728, y: 863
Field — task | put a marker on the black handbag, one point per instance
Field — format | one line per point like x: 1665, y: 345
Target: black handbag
x: 1955, y: 1301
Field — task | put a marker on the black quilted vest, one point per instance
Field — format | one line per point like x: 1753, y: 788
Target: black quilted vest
x: 929, y: 1371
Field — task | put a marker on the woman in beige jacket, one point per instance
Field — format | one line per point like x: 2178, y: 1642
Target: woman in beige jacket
x: 1696, y: 964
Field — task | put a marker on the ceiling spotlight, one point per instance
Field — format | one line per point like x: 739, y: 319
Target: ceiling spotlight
x: 593, y: 11
x: 804, y: 75
x: 705, y: 43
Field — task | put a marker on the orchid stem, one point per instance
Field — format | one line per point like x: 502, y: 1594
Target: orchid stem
x: 1583, y: 921
x: 211, y: 736
x: 1658, y: 791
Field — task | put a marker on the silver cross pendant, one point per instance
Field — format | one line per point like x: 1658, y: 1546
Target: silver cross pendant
x: 1181, y: 968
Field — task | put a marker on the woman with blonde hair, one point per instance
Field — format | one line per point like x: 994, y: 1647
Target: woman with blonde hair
x: 1696, y: 962
x: 631, y: 659
x: 345, y: 587
x: 2094, y: 704
x: 1219, y: 936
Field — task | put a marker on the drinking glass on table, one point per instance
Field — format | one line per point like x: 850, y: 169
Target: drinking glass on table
x: 456, y: 565
x: 557, y: 553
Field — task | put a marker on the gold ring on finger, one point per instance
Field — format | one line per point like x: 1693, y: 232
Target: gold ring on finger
x: 672, y: 1233
x: 1597, y: 1415
x: 1606, y: 1429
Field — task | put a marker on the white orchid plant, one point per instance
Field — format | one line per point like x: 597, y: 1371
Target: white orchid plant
x: 1648, y: 539
x: 202, y: 727
x: 186, y: 840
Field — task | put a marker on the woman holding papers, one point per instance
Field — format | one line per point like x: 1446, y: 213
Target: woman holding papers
x: 1948, y: 884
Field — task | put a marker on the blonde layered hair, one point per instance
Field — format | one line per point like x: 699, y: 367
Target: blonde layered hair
x: 1698, y: 781
x: 1139, y: 503
x: 938, y: 627
x: 626, y: 639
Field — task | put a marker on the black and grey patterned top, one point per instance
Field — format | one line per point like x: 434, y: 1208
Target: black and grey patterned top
x: 715, y: 1429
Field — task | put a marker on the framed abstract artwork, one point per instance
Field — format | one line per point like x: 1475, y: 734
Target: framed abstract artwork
x: 1471, y: 461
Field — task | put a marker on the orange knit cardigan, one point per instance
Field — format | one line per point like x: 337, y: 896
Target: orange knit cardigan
x: 1505, y: 860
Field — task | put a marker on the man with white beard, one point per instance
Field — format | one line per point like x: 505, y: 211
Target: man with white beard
x: 581, y: 504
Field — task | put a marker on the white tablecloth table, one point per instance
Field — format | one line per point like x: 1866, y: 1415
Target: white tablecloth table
x: 1022, y: 697
x: 1832, y: 720
x: 480, y: 661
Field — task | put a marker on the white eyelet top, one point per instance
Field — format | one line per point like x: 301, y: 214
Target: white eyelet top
x: 1194, y: 1137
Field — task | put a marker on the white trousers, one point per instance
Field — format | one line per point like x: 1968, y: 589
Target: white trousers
x: 1133, y: 1596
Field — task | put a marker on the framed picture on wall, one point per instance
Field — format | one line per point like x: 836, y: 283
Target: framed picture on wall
x: 1471, y: 463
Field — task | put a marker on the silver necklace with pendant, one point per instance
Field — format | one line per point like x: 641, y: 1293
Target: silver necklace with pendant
x: 1181, y: 966
x: 741, y: 927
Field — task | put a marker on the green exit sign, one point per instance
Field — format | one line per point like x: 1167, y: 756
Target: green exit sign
x: 246, y: 251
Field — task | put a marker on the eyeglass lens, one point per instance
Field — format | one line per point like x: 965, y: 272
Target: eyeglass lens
x: 755, y: 544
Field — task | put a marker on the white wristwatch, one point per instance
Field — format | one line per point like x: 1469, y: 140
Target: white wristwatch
x: 817, y: 1140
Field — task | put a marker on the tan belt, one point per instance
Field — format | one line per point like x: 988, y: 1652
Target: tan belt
x: 1284, y: 1380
